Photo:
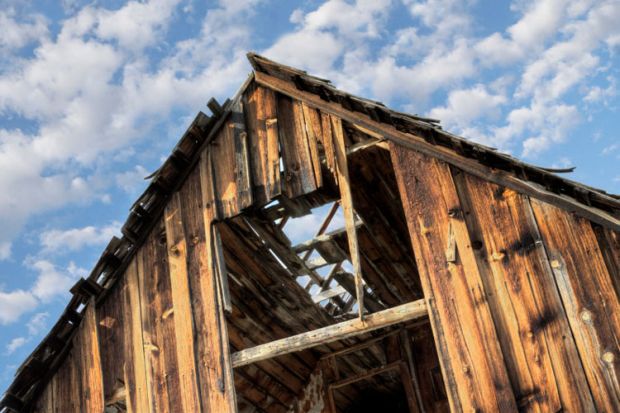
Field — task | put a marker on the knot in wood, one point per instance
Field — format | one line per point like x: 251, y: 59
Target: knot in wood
x: 608, y: 357
x: 586, y: 316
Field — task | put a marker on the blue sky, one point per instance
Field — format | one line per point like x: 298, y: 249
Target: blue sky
x: 94, y: 94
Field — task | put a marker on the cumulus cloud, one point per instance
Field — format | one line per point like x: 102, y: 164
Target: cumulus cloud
x: 73, y: 239
x: 14, y: 344
x: 17, y: 34
x: 467, y: 105
x: 15, y: 303
x: 53, y: 282
x: 90, y: 91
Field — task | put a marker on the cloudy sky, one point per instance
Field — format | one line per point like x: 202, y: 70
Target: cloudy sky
x: 94, y: 94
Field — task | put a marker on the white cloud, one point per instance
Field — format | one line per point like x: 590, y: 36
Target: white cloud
x: 15, y: 34
x: 37, y: 324
x: 15, y: 303
x: 466, y: 105
x: 77, y: 238
x: 14, y: 344
x: 52, y: 282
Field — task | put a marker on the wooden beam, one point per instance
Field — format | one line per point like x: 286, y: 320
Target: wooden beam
x: 346, y: 202
x: 340, y: 331
x: 324, y: 295
x: 447, y: 155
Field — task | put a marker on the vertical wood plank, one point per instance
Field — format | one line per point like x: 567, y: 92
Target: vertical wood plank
x: 177, y: 243
x: 135, y: 367
x: 90, y: 362
x: 296, y: 154
x: 262, y: 127
x: 542, y: 359
x: 609, y: 243
x: 589, y: 298
x: 111, y: 340
x: 312, y: 125
x: 214, y: 354
x: 460, y: 316
x: 230, y: 157
x: 242, y: 156
x: 346, y: 202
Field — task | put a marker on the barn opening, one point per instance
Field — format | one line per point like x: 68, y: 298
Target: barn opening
x: 289, y: 270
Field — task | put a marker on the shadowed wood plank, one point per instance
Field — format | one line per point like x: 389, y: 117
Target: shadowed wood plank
x: 542, y: 359
x: 589, y: 298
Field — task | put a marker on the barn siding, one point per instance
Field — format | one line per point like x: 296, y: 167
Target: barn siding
x: 459, y: 311
x: 77, y: 386
x: 523, y: 316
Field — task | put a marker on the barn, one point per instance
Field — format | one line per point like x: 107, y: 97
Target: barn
x: 442, y: 274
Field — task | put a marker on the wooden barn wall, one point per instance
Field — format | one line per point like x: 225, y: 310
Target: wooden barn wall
x: 523, y: 296
x: 77, y: 385
x: 161, y: 329
x: 521, y: 293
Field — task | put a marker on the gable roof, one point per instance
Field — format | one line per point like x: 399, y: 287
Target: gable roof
x: 419, y: 133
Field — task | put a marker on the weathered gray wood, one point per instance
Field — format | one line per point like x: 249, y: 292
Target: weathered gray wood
x: 336, y: 332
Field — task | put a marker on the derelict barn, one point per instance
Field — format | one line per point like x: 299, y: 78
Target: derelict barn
x: 461, y: 280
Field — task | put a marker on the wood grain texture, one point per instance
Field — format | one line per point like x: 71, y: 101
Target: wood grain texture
x: 542, y: 360
x: 177, y: 242
x: 135, y: 366
x: 214, y: 356
x: 230, y: 157
x: 262, y: 127
x: 346, y: 202
x: 468, y: 346
x: 419, y: 144
x: 296, y: 153
x: 609, y: 243
x: 589, y: 298
x: 89, y: 363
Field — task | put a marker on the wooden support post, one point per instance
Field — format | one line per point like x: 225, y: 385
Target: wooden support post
x: 346, y: 201
x: 340, y: 331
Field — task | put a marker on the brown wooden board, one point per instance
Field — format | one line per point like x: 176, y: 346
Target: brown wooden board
x: 138, y: 391
x: 543, y: 364
x: 297, y: 155
x: 111, y: 340
x: 178, y: 261
x: 230, y: 157
x: 468, y: 346
x: 262, y: 126
x: 158, y: 325
x: 215, y: 371
x: 89, y: 362
x: 609, y: 243
x: 589, y: 298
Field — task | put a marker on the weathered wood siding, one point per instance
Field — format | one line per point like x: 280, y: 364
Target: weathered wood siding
x: 77, y: 386
x: 522, y: 296
x: 535, y: 279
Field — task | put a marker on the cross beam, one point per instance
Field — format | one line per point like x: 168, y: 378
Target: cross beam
x: 405, y: 312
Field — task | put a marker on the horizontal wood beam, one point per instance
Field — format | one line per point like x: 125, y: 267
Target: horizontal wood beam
x: 340, y: 331
x: 324, y: 295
